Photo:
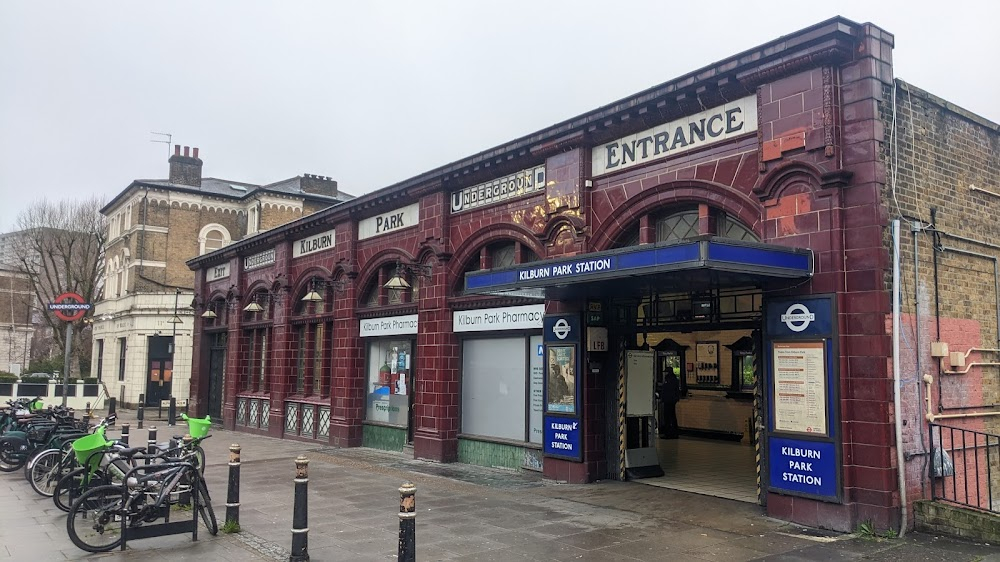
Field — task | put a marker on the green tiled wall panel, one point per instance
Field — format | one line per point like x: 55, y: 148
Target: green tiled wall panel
x: 483, y: 453
x: 385, y: 438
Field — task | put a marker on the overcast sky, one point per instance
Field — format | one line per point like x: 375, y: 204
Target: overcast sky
x: 372, y: 93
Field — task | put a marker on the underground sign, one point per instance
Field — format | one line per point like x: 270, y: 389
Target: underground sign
x: 69, y: 307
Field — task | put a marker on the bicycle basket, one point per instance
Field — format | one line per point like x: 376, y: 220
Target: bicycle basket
x: 36, y: 433
x: 85, y: 447
x: 198, y: 428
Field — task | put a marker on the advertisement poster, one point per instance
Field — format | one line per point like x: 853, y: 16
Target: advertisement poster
x: 562, y: 379
x: 800, y: 387
x: 537, y: 389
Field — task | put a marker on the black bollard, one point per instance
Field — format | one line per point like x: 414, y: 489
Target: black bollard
x: 300, y: 512
x: 172, y: 412
x: 139, y: 414
x: 233, y: 494
x: 124, y: 437
x: 407, y: 523
x: 151, y: 444
x: 112, y: 405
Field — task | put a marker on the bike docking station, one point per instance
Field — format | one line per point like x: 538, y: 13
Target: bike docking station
x: 162, y: 494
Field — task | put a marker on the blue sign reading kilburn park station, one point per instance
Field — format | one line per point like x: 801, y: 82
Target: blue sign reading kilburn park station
x: 717, y: 254
x: 806, y: 467
x: 562, y: 437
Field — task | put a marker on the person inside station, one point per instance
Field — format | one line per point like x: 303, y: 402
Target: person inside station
x: 669, y: 394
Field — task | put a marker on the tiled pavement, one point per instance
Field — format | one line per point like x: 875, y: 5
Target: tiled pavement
x: 463, y: 513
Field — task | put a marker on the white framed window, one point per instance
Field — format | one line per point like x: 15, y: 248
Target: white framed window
x: 253, y: 220
x: 212, y: 237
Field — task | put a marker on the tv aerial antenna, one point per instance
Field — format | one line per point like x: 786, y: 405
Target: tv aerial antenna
x: 165, y: 138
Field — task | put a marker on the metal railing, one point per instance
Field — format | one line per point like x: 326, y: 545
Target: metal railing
x: 965, y: 467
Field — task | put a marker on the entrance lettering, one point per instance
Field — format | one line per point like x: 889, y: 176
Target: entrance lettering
x: 713, y: 125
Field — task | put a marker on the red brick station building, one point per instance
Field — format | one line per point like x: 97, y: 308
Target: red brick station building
x: 726, y: 238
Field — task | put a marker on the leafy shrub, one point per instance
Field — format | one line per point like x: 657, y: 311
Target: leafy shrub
x: 46, y: 365
x: 7, y: 377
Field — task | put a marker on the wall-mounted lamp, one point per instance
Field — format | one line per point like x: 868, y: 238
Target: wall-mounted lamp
x: 398, y: 281
x: 318, y: 284
x: 209, y: 314
x: 253, y: 307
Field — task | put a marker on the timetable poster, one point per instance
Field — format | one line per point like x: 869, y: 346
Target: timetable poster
x: 800, y: 387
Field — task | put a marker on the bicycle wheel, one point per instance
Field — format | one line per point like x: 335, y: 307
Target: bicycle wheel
x: 205, y: 509
x: 71, y: 486
x: 95, y: 520
x: 199, y: 455
x: 31, y: 459
x: 46, y: 470
x: 10, y: 461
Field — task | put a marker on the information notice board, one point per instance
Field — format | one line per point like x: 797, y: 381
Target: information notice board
x: 800, y: 387
x: 639, y: 384
x: 801, y: 374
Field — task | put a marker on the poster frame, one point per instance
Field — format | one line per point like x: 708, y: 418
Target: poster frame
x: 574, y: 391
x: 825, y: 387
x: 821, y: 328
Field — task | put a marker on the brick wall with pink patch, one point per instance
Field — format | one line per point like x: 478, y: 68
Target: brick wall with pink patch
x: 943, y: 184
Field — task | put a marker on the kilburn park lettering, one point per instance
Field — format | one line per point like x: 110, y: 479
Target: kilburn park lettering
x: 803, y: 467
x: 502, y: 317
x: 561, y: 270
x: 313, y: 244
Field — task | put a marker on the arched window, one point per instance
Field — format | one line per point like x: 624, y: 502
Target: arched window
x: 376, y: 294
x: 496, y: 255
x: 212, y: 237
x: 124, y: 272
x: 677, y: 226
x: 730, y: 227
x: 313, y: 339
x: 256, y: 340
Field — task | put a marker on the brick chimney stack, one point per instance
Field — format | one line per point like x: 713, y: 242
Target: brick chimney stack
x: 186, y: 169
x: 318, y: 185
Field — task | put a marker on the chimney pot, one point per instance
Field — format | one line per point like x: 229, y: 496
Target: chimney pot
x: 185, y: 170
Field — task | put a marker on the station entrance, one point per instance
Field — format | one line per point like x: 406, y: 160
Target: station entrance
x: 691, y: 368
x: 671, y: 333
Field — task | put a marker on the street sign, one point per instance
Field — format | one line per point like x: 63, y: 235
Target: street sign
x: 69, y: 307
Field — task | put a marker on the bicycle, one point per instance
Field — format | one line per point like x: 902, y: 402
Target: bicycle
x: 32, y: 434
x: 111, y: 467
x: 98, y: 518
x: 47, y: 467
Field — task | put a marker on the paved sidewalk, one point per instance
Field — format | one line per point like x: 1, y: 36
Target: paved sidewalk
x: 463, y: 513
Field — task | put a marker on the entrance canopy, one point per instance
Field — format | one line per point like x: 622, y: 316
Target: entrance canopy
x: 692, y: 265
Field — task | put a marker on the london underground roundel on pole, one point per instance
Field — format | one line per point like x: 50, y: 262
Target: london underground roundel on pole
x: 69, y: 307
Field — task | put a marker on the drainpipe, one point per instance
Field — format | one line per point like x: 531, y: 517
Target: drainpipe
x: 900, y: 461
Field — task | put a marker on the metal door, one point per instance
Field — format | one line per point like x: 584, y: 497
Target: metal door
x: 216, y: 375
x: 159, y: 370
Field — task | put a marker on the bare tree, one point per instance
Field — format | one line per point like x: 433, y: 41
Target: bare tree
x: 60, y: 245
